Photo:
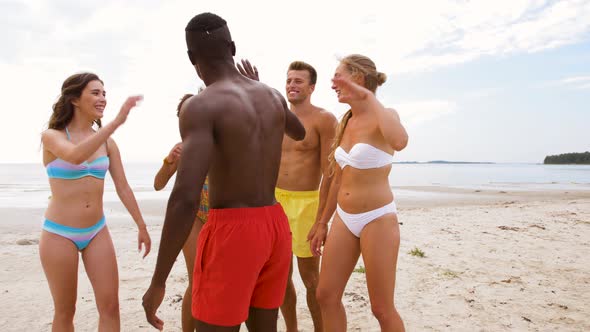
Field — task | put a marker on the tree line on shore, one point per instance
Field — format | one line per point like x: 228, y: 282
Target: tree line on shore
x: 569, y: 158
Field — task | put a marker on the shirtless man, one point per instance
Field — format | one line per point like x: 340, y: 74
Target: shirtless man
x: 304, y: 170
x: 233, y: 129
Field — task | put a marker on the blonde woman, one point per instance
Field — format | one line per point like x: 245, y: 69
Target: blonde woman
x: 365, y: 221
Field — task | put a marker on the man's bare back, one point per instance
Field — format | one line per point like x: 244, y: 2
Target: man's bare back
x: 241, y: 121
x: 232, y: 130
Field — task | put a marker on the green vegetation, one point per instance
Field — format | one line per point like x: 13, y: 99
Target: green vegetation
x: 360, y: 269
x: 450, y: 274
x: 569, y: 158
x: 417, y: 252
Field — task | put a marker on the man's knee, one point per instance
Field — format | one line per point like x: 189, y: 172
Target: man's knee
x: 309, y: 272
x: 310, y: 281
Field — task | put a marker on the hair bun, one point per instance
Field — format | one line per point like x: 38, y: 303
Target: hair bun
x: 381, y: 78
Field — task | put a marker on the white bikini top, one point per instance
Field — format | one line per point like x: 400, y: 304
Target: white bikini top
x: 362, y: 156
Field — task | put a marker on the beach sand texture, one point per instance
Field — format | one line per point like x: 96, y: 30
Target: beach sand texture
x: 494, y: 261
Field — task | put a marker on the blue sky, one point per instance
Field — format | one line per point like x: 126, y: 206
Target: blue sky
x: 500, y: 81
x: 516, y: 108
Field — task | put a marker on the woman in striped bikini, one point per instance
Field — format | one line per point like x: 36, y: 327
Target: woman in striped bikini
x: 77, y: 158
x: 189, y: 249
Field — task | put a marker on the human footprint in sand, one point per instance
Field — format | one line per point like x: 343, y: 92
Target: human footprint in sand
x: 366, y: 218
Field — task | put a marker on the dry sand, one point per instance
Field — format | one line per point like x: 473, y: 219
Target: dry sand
x: 495, y: 260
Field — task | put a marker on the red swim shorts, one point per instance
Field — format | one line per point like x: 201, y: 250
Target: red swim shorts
x: 243, y: 258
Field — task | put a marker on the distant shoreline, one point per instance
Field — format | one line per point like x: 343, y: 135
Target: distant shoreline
x: 433, y: 162
x: 445, y: 162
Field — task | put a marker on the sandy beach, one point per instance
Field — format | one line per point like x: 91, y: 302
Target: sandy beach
x: 494, y: 260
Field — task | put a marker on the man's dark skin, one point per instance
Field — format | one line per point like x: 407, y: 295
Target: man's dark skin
x: 233, y: 130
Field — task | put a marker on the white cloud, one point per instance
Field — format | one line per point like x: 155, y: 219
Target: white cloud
x: 413, y: 113
x: 138, y: 46
x: 574, y: 82
x: 576, y: 79
x: 499, y: 28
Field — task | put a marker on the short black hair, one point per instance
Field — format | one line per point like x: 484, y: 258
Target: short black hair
x: 205, y: 22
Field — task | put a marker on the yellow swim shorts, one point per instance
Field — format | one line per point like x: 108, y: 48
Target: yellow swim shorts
x: 301, y: 208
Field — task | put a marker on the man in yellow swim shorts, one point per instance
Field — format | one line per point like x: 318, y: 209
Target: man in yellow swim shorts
x: 304, y: 165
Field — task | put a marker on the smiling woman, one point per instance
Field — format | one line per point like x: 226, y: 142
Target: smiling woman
x: 63, y: 110
x: 77, y: 158
x: 366, y: 216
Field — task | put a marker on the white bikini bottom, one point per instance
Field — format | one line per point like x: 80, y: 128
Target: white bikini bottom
x: 356, y: 222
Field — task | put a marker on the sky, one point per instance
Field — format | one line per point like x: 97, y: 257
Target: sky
x: 497, y: 81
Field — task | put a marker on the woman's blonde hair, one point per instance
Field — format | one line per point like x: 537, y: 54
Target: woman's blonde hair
x: 359, y: 66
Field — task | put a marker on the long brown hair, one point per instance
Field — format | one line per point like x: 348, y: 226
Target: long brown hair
x: 71, y: 89
x: 358, y: 66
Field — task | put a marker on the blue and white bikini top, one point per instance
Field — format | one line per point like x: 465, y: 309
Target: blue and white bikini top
x: 362, y: 156
x: 61, y: 169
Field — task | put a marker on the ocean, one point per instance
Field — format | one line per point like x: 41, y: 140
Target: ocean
x: 26, y: 185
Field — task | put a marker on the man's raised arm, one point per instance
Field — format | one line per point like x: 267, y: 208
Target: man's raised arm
x: 293, y: 127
